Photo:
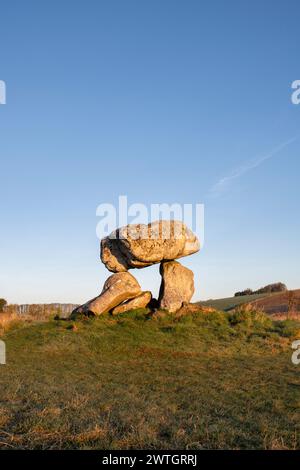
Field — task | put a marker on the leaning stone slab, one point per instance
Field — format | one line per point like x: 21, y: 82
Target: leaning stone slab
x: 141, y: 301
x: 177, y: 286
x: 117, y: 288
x: 139, y: 245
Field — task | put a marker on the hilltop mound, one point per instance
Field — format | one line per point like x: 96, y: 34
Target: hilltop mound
x: 196, y: 381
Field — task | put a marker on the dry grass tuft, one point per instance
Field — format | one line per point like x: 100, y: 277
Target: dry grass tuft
x: 7, y: 321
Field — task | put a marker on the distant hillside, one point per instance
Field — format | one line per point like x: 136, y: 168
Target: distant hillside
x: 269, y: 289
x: 276, y: 304
x: 229, y: 303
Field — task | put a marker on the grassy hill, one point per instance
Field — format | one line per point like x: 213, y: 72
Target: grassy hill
x: 230, y: 303
x: 200, y: 381
x: 277, y: 305
x: 273, y: 304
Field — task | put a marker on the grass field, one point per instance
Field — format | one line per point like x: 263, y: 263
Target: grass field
x: 202, y: 381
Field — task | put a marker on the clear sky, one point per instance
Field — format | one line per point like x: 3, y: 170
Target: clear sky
x: 162, y: 101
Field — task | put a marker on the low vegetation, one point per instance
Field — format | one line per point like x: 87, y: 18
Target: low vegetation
x: 9, y: 321
x: 197, y: 381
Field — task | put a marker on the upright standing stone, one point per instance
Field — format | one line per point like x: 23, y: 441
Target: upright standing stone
x: 177, y: 286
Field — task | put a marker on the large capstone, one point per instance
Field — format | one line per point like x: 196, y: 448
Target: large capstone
x: 139, y: 245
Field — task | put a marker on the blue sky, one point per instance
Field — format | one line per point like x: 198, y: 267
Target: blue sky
x: 164, y: 101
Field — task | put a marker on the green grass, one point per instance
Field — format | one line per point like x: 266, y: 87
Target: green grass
x: 218, y: 380
x: 230, y: 303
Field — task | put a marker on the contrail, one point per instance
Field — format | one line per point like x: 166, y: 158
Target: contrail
x: 223, y: 183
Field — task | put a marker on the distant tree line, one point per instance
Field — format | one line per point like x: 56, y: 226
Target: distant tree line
x: 277, y: 287
x: 37, y: 311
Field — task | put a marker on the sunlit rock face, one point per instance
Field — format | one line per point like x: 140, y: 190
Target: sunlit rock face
x: 177, y: 286
x: 139, y: 246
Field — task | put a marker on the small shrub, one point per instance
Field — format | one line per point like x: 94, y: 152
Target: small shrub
x: 288, y: 328
x: 249, y: 319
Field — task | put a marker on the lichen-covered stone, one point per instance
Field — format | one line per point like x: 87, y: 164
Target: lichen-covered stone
x: 177, y: 286
x: 141, y: 301
x: 139, y: 246
x: 117, y: 288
